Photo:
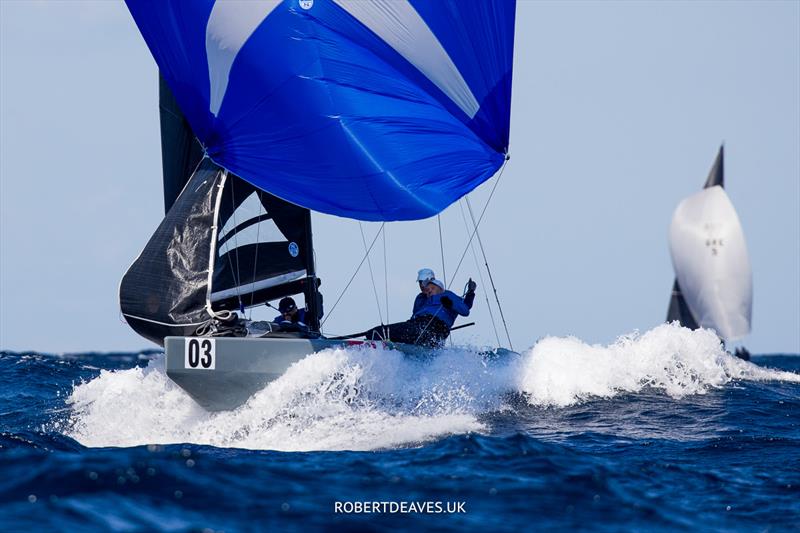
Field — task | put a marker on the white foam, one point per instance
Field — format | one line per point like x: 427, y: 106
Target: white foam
x: 679, y: 361
x: 362, y: 399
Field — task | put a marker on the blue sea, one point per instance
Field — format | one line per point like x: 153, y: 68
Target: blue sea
x: 660, y: 430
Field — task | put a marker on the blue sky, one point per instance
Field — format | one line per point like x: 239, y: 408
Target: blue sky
x: 618, y: 111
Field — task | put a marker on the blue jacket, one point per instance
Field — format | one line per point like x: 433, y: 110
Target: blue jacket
x: 432, y: 306
x: 301, y: 317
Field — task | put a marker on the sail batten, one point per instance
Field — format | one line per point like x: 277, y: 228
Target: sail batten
x: 245, y: 291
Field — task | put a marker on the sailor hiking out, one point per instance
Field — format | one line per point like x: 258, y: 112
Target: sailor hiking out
x: 435, y: 310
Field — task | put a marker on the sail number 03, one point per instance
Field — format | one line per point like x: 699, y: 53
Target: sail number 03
x: 200, y: 353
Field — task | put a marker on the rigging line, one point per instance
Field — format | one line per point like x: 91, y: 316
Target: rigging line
x: 421, y: 333
x: 255, y: 260
x: 237, y: 278
x: 489, y: 271
x: 353, y: 276
x: 385, y: 274
x: 441, y: 251
x: 319, y: 294
x: 480, y: 275
x: 371, y: 275
x: 441, y: 247
x: 225, y: 314
x: 483, y: 212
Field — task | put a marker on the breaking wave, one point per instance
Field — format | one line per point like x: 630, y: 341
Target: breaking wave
x: 363, y: 399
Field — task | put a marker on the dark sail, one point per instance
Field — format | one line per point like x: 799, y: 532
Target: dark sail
x: 181, y: 152
x: 256, y: 228
x: 164, y: 291
x: 262, y: 250
x: 678, y: 310
x: 717, y: 174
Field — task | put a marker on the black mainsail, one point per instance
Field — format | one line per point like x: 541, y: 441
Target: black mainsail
x: 181, y: 152
x: 262, y: 251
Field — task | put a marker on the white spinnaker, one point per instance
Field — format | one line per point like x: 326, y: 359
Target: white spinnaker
x: 709, y: 255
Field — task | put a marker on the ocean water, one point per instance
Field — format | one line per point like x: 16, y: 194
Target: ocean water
x: 658, y: 431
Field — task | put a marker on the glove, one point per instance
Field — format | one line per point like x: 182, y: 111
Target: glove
x: 447, y: 303
x: 471, y: 286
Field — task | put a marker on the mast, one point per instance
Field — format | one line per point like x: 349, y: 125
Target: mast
x: 181, y: 152
x: 311, y: 290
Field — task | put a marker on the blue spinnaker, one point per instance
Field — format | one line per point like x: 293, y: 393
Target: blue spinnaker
x: 374, y: 110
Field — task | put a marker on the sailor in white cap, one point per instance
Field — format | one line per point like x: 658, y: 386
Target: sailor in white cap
x: 435, y: 311
x: 424, y: 276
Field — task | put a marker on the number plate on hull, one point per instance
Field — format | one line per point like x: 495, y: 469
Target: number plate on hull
x: 200, y: 354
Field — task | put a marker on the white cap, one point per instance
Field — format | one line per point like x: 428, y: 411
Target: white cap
x: 437, y: 283
x: 425, y: 275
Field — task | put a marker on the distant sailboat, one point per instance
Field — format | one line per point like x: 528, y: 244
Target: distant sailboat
x: 713, y: 282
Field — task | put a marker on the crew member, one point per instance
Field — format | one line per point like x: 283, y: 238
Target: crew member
x: 435, y: 311
x: 290, y: 313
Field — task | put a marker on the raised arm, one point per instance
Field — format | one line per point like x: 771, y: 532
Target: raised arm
x: 456, y: 303
x: 469, y: 298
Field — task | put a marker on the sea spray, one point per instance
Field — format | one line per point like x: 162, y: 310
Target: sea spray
x: 376, y: 398
x: 563, y: 371
x: 640, y: 460
x: 335, y: 399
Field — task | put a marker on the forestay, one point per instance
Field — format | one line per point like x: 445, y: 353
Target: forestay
x: 381, y: 110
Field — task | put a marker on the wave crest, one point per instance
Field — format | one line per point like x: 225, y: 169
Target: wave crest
x: 359, y: 399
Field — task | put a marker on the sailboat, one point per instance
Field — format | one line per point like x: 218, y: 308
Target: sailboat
x: 377, y: 111
x: 713, y: 285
